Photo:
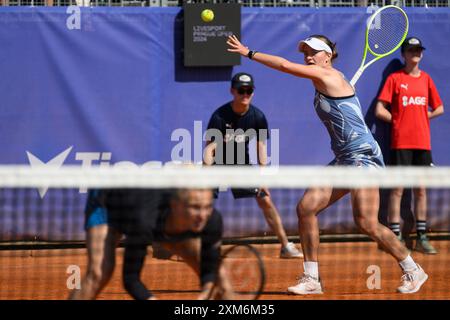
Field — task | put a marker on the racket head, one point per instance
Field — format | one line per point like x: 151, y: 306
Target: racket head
x: 386, y: 30
x: 244, y: 269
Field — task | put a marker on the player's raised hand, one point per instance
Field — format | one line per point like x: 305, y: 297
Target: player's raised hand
x: 236, y: 46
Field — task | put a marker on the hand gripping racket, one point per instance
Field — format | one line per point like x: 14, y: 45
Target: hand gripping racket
x: 385, y: 32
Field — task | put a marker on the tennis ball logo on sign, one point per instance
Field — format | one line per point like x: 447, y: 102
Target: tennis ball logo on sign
x: 207, y: 15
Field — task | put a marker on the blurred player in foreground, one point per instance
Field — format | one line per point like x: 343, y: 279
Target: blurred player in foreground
x: 338, y: 107
x: 183, y: 221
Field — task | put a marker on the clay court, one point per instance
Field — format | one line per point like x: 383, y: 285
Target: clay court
x: 42, y: 274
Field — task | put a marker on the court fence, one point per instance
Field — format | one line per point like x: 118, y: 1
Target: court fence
x: 245, y: 3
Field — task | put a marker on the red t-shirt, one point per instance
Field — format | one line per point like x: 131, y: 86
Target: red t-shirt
x: 410, y: 98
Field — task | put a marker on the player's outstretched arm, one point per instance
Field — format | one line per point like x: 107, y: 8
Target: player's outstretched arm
x: 276, y: 62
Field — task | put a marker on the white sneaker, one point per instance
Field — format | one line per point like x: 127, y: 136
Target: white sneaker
x: 412, y: 280
x: 290, y: 252
x: 307, y: 285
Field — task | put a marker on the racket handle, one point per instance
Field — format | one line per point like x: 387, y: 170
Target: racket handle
x: 356, y: 76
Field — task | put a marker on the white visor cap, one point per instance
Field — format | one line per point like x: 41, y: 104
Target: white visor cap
x: 314, y: 43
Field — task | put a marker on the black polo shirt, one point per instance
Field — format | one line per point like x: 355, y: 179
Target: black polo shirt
x: 236, y: 131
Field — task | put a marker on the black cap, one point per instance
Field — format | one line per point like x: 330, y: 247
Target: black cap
x: 242, y: 79
x: 412, y: 42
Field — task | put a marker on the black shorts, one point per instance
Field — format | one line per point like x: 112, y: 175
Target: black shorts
x: 133, y: 211
x: 411, y: 157
x: 239, y: 193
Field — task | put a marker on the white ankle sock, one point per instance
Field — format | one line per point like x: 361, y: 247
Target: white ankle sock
x: 311, y: 268
x: 408, y: 264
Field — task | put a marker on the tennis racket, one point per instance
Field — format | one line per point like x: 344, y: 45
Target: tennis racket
x: 385, y: 32
x: 240, y: 193
x: 244, y: 270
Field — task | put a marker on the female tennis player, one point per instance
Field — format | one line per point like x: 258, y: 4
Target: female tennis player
x: 338, y: 108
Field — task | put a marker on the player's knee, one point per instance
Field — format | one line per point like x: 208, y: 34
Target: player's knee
x: 305, y: 210
x: 98, y: 276
x: 94, y: 277
x: 420, y: 193
x: 367, y: 226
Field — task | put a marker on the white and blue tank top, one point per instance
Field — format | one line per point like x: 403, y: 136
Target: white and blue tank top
x: 351, y: 140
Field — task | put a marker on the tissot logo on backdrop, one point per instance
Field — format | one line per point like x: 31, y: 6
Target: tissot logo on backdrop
x: 87, y: 159
x: 57, y: 161
x: 187, y: 148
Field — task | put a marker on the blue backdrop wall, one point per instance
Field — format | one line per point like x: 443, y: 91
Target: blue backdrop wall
x: 111, y: 86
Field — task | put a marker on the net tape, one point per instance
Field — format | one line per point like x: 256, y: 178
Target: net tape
x: 291, y: 177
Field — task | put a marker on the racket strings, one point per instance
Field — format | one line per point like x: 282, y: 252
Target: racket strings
x: 243, y: 268
x: 387, y: 31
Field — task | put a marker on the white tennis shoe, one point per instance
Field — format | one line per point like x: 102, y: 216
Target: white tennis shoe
x: 290, y: 252
x: 306, y: 285
x: 412, y: 280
